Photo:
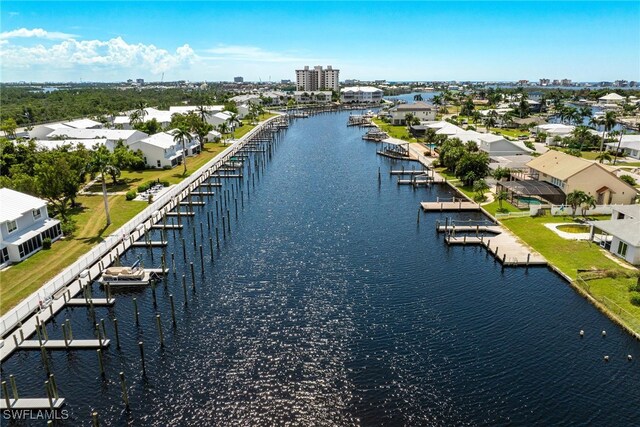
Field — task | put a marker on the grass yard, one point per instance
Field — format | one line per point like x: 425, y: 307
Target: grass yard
x: 20, y: 280
x: 246, y: 127
x: 568, y: 255
x: 399, y: 132
x: 615, y: 294
x: 512, y: 133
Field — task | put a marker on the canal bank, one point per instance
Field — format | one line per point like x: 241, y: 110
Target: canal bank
x: 600, y: 305
x: 328, y: 304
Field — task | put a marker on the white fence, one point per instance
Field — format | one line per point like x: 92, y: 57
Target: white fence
x: 568, y: 210
x: 26, y: 307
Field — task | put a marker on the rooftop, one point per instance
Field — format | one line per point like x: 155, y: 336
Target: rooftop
x: 113, y: 134
x: 627, y: 230
x: 416, y: 106
x: 559, y: 165
x: 14, y: 204
x: 83, y: 124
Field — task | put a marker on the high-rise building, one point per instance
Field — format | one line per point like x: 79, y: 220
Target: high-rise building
x: 317, y: 78
x: 545, y: 82
x: 238, y: 79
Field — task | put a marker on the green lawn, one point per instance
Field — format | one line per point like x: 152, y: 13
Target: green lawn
x: 20, y: 280
x: 399, y: 132
x: 246, y: 127
x: 568, y: 255
x: 615, y: 294
x: 512, y: 133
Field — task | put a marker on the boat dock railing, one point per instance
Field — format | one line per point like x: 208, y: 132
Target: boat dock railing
x: 34, y: 302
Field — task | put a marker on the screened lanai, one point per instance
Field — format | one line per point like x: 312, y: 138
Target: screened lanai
x: 525, y: 193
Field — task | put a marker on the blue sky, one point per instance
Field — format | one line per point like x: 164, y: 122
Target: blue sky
x: 114, y: 41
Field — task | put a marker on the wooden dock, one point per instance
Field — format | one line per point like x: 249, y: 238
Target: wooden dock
x: 73, y: 344
x: 450, y: 206
x: 202, y: 194
x: 167, y: 226
x: 32, y: 403
x: 209, y: 184
x: 501, y: 243
x: 409, y: 172
x: 185, y: 213
x: 193, y: 202
x: 98, y: 302
x: 152, y: 243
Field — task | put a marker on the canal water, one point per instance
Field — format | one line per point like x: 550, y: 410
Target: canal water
x: 328, y: 304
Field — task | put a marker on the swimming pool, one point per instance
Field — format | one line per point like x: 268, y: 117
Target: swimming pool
x: 529, y: 200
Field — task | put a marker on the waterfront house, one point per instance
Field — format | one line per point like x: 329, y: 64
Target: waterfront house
x: 421, y: 110
x: 161, y: 151
x: 611, y: 98
x: 554, y: 131
x: 620, y: 234
x: 24, y: 224
x: 112, y: 136
x: 89, y: 144
x: 629, y: 145
x: 315, y: 97
x: 497, y: 145
x: 361, y: 94
x: 571, y: 173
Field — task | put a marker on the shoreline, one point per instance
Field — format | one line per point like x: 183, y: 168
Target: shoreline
x: 71, y: 274
x: 593, y: 300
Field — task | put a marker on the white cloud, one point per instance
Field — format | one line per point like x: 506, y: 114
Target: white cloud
x: 252, y: 54
x: 96, y: 54
x: 36, y: 33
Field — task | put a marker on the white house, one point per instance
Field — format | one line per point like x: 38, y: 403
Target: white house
x: 111, y: 135
x: 52, y: 144
x: 496, y: 145
x: 43, y: 131
x: 554, y: 130
x: 621, y: 233
x: 361, y: 94
x: 421, y: 110
x: 24, y: 224
x: 628, y: 144
x: 84, y: 124
x: 161, y: 151
x: 611, y: 98
x: 312, y: 97
x: 218, y: 118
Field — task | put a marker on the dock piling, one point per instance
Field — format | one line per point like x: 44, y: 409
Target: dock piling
x: 173, y: 310
x: 125, y: 396
x: 160, y: 334
x: 135, y: 311
x: 100, y: 362
x: 141, y: 346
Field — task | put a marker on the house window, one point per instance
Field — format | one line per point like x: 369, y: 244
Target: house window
x: 622, y: 249
x: 159, y: 164
x: 557, y: 182
x: 12, y: 226
x: 37, y: 214
x: 4, y: 255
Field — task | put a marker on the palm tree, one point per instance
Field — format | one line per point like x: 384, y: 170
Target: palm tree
x: 501, y: 196
x: 490, y: 122
x: 138, y: 115
x: 182, y: 135
x: 604, y: 156
x: 581, y: 133
x: 223, y: 128
x: 594, y: 122
x: 575, y: 199
x: 475, y: 116
x: 417, y: 97
x: 437, y: 101
x: 203, y: 112
x: 608, y: 122
x: 102, y: 162
x: 588, y: 202
x: 408, y: 119
x: 233, y: 121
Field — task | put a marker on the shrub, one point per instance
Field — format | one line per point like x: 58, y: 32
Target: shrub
x: 628, y: 179
x: 471, y: 127
x: 166, y: 167
x: 46, y: 243
x: 635, y: 298
x: 529, y: 145
x: 150, y: 199
x: 131, y: 195
x: 143, y: 187
x: 68, y: 227
x: 165, y: 183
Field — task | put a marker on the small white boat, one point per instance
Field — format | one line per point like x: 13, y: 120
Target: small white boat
x: 126, y: 276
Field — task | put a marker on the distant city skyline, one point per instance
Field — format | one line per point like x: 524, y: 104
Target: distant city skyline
x: 268, y: 41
